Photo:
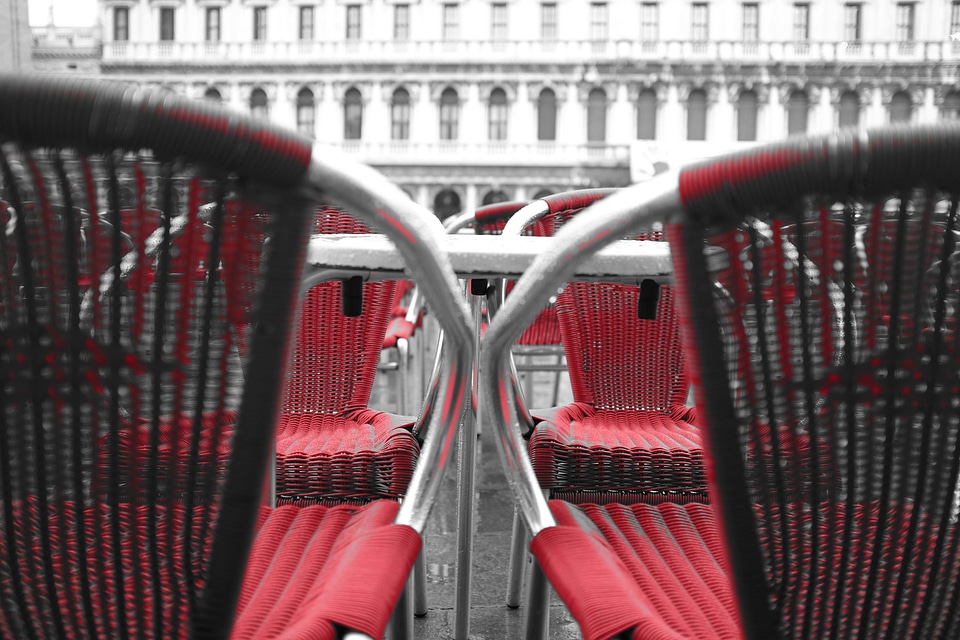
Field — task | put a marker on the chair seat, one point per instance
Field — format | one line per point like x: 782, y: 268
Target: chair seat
x: 581, y: 448
x: 658, y: 569
x: 361, y: 455
x: 305, y: 563
x: 664, y: 566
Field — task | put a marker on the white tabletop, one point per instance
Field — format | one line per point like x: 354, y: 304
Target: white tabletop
x: 476, y: 256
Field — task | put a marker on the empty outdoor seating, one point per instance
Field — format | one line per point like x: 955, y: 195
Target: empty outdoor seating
x: 167, y: 312
x: 628, y: 436
x: 331, y: 447
x: 817, y: 284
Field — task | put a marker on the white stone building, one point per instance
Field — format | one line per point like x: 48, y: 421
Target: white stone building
x: 473, y: 101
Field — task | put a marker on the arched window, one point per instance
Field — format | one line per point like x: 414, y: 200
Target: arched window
x: 901, y: 107
x: 950, y: 110
x: 446, y: 204
x: 494, y: 196
x: 258, y: 104
x: 543, y: 193
x: 449, y: 114
x: 212, y: 95
x: 647, y: 115
x: 306, y: 113
x: 849, y: 109
x: 747, y: 116
x: 547, y: 115
x: 498, y: 114
x: 597, y: 116
x: 798, y: 107
x: 400, y: 115
x: 352, y: 114
x: 697, y: 115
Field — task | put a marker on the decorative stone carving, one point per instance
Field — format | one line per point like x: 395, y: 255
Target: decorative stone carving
x: 634, y: 89
x: 437, y: 88
x: 340, y: 89
x: 915, y: 92
x: 684, y: 89
x: 509, y: 87
x: 610, y: 88
x: 387, y: 87
x: 559, y: 90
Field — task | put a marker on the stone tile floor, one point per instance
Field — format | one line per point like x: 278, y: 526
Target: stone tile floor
x: 490, y: 619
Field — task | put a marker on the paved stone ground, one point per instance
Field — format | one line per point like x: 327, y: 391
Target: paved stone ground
x: 490, y: 619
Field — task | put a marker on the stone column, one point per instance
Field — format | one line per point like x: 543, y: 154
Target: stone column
x: 470, y: 198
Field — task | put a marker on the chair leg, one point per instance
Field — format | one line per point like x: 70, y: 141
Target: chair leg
x: 518, y: 552
x: 538, y: 604
x: 420, y: 586
x: 401, y: 622
x: 403, y: 371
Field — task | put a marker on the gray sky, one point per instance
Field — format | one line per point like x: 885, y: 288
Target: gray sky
x: 66, y: 13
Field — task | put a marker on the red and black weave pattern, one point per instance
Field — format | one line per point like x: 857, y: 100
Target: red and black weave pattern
x: 629, y: 432
x: 824, y: 337
x: 330, y: 446
x: 123, y: 285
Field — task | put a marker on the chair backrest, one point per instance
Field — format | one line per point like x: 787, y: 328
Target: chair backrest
x: 123, y: 312
x: 490, y: 220
x: 827, y: 377
x: 617, y: 359
x: 335, y: 355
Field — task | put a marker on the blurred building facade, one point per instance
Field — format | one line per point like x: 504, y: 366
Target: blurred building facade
x: 468, y: 102
x: 14, y: 36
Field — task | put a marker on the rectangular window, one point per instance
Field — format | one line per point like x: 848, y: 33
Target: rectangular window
x: 649, y: 22
x: 259, y: 24
x: 801, y: 22
x: 498, y: 22
x: 166, y: 24
x: 353, y: 22
x: 852, y: 22
x: 598, y: 21
x: 906, y: 11
x: 751, y: 22
x: 121, y: 24
x: 401, y: 22
x: 548, y: 20
x: 451, y: 21
x: 955, y: 20
x: 400, y: 121
x: 212, y: 32
x: 306, y: 23
x: 700, y: 24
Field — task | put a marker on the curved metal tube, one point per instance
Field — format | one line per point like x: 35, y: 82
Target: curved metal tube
x: 455, y: 223
x: 416, y: 233
x: 619, y: 214
x: 525, y: 217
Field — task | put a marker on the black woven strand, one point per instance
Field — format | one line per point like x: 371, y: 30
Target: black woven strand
x: 113, y: 389
x: 162, y: 277
x: 848, y: 380
x: 890, y: 420
x: 809, y: 403
x: 209, y: 291
x: 211, y: 481
x: 944, y: 606
x: 13, y: 452
x: 779, y: 482
x: 72, y: 235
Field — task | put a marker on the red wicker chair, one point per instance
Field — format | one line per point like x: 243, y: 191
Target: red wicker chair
x: 110, y: 333
x: 823, y: 345
x: 331, y: 447
x: 628, y: 436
